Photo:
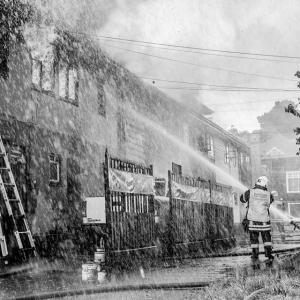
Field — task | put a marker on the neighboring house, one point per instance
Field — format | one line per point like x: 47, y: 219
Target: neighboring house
x: 281, y: 165
x: 64, y: 102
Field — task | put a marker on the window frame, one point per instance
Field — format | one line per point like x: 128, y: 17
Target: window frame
x: 226, y: 154
x: 67, y: 97
x: 287, y: 182
x: 57, y: 160
x: 233, y: 157
x: 37, y: 86
x: 241, y: 158
x: 210, y: 146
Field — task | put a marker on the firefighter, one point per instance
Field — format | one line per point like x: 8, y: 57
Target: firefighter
x: 258, y: 201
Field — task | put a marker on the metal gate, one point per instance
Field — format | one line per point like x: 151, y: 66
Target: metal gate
x: 201, y: 215
x: 130, y: 220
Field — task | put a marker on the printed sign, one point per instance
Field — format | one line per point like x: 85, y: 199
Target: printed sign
x: 95, y: 210
x: 121, y: 181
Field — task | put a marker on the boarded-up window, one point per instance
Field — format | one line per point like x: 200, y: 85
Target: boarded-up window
x: 36, y: 70
x: 72, y: 82
x: 62, y: 80
x: 47, y: 75
x: 68, y: 83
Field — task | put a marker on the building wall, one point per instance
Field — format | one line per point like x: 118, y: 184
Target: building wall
x: 141, y: 124
x: 276, y: 169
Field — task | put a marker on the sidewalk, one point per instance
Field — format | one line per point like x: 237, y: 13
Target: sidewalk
x: 44, y: 278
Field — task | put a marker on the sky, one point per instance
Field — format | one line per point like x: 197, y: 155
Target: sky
x: 266, y: 27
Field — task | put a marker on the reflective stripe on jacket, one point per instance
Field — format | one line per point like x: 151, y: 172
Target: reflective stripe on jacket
x: 258, y: 205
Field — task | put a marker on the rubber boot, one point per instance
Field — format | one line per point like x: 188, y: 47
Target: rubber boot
x: 254, y: 258
x: 268, y: 252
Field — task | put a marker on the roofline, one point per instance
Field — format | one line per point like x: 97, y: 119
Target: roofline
x: 218, y: 128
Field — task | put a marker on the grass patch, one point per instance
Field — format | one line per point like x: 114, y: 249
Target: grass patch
x: 286, y: 286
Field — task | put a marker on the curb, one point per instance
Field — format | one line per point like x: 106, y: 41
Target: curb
x: 96, y: 290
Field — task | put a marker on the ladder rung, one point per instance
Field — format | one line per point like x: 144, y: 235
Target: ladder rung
x: 31, y: 248
x: 24, y: 232
x: 14, y: 200
x: 8, y: 169
x: 2, y: 154
x: 9, y: 184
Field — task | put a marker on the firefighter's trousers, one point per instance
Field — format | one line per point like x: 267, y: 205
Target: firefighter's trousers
x: 254, y: 238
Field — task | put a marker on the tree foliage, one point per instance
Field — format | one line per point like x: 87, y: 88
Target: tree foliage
x: 276, y: 121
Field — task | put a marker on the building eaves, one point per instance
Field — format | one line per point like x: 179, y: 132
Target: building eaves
x: 220, y: 129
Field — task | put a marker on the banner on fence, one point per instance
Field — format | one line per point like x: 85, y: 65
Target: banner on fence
x: 219, y: 195
x: 121, y: 181
x: 223, y: 197
x: 192, y: 193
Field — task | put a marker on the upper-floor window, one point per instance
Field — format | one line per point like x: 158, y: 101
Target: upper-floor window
x: 42, y: 75
x: 186, y: 134
x: 54, y: 169
x: 226, y: 154
x: 247, y: 159
x: 210, y: 146
x: 68, y: 83
x: 241, y: 158
x: 293, y: 182
x: 233, y: 157
x: 4, y: 53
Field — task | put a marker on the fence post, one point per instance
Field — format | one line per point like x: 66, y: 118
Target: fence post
x: 108, y: 240
x: 171, y: 243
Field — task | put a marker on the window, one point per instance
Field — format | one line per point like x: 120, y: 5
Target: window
x: 176, y: 169
x: 68, y: 83
x: 226, y: 156
x: 42, y: 75
x: 247, y: 159
x: 54, y: 169
x: 210, y: 146
x: 241, y: 158
x: 186, y: 134
x: 293, y: 182
x: 4, y: 53
x: 233, y: 157
x: 36, y: 73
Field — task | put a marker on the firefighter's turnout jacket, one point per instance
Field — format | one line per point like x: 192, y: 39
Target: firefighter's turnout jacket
x: 258, y: 201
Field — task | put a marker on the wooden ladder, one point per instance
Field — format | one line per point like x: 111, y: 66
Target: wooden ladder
x: 15, y: 212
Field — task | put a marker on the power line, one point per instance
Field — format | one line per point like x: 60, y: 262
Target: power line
x: 194, y: 48
x: 204, y: 84
x: 198, y: 65
x: 255, y: 101
x: 196, y: 52
x: 225, y: 90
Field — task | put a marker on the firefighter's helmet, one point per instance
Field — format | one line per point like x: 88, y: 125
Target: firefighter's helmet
x: 262, y: 181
